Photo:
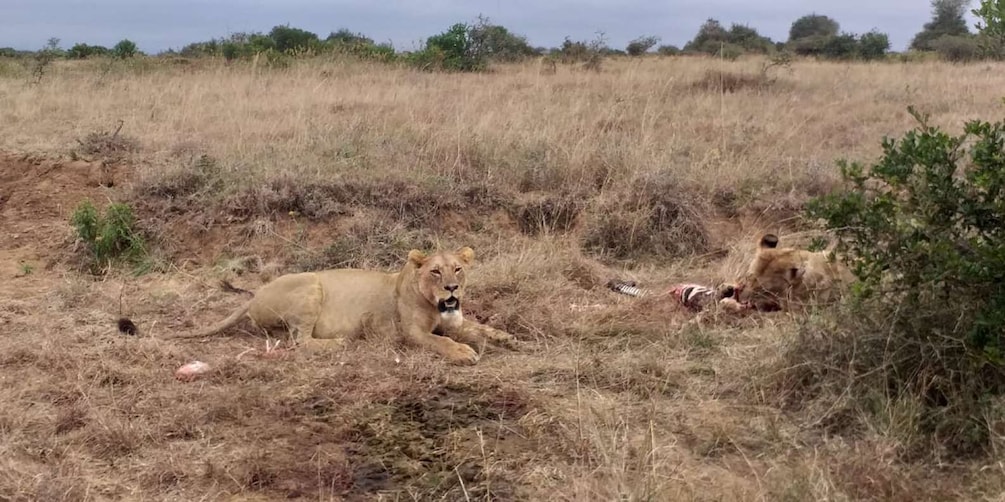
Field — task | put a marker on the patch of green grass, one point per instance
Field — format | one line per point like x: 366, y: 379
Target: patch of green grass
x: 109, y: 237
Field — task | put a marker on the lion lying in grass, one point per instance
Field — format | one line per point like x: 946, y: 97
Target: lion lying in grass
x: 420, y: 301
x: 783, y: 278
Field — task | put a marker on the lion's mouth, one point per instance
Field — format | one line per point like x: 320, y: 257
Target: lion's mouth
x: 449, y: 305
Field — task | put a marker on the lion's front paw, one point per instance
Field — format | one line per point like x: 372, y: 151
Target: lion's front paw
x: 507, y: 340
x: 460, y: 353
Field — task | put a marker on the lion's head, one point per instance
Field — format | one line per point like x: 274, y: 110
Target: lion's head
x: 441, y: 277
x: 777, y: 274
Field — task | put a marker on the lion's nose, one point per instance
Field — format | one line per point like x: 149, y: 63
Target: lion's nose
x: 450, y: 287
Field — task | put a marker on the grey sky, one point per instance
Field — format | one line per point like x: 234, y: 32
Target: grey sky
x: 156, y: 25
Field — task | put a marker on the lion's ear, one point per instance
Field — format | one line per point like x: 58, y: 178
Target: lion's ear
x: 769, y: 241
x: 417, y: 257
x: 466, y: 254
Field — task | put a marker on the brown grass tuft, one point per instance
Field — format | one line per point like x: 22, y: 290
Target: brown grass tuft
x: 107, y: 145
x: 543, y: 213
x: 655, y: 218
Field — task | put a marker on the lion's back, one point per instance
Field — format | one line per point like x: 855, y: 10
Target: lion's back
x: 358, y: 290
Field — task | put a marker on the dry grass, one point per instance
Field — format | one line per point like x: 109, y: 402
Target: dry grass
x: 244, y: 172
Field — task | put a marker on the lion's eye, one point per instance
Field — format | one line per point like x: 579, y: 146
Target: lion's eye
x: 435, y: 272
x: 458, y: 270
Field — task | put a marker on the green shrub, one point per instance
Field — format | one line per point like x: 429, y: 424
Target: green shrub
x: 923, y: 230
x: 109, y: 237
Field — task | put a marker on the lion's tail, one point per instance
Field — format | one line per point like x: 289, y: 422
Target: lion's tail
x: 230, y: 288
x: 232, y: 320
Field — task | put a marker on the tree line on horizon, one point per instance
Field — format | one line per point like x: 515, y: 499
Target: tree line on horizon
x: 471, y: 47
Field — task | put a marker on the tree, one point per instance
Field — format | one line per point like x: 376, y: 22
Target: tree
x: 947, y: 19
x: 124, y: 49
x: 873, y: 45
x: 641, y: 45
x: 813, y: 25
x: 991, y: 26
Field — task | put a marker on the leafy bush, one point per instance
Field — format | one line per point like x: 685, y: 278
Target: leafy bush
x: 923, y: 230
x: 109, y: 237
x: 873, y: 45
x: 957, y: 49
x: 451, y: 50
x: 470, y: 47
x: 124, y: 49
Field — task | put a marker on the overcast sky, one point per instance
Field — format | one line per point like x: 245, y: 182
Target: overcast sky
x: 157, y: 25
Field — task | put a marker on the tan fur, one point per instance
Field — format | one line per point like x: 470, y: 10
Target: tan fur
x: 783, y: 278
x: 330, y: 306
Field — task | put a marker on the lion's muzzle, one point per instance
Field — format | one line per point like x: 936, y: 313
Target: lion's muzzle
x: 448, y: 305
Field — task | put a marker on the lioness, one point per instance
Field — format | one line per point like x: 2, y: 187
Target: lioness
x: 785, y: 277
x: 420, y: 300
